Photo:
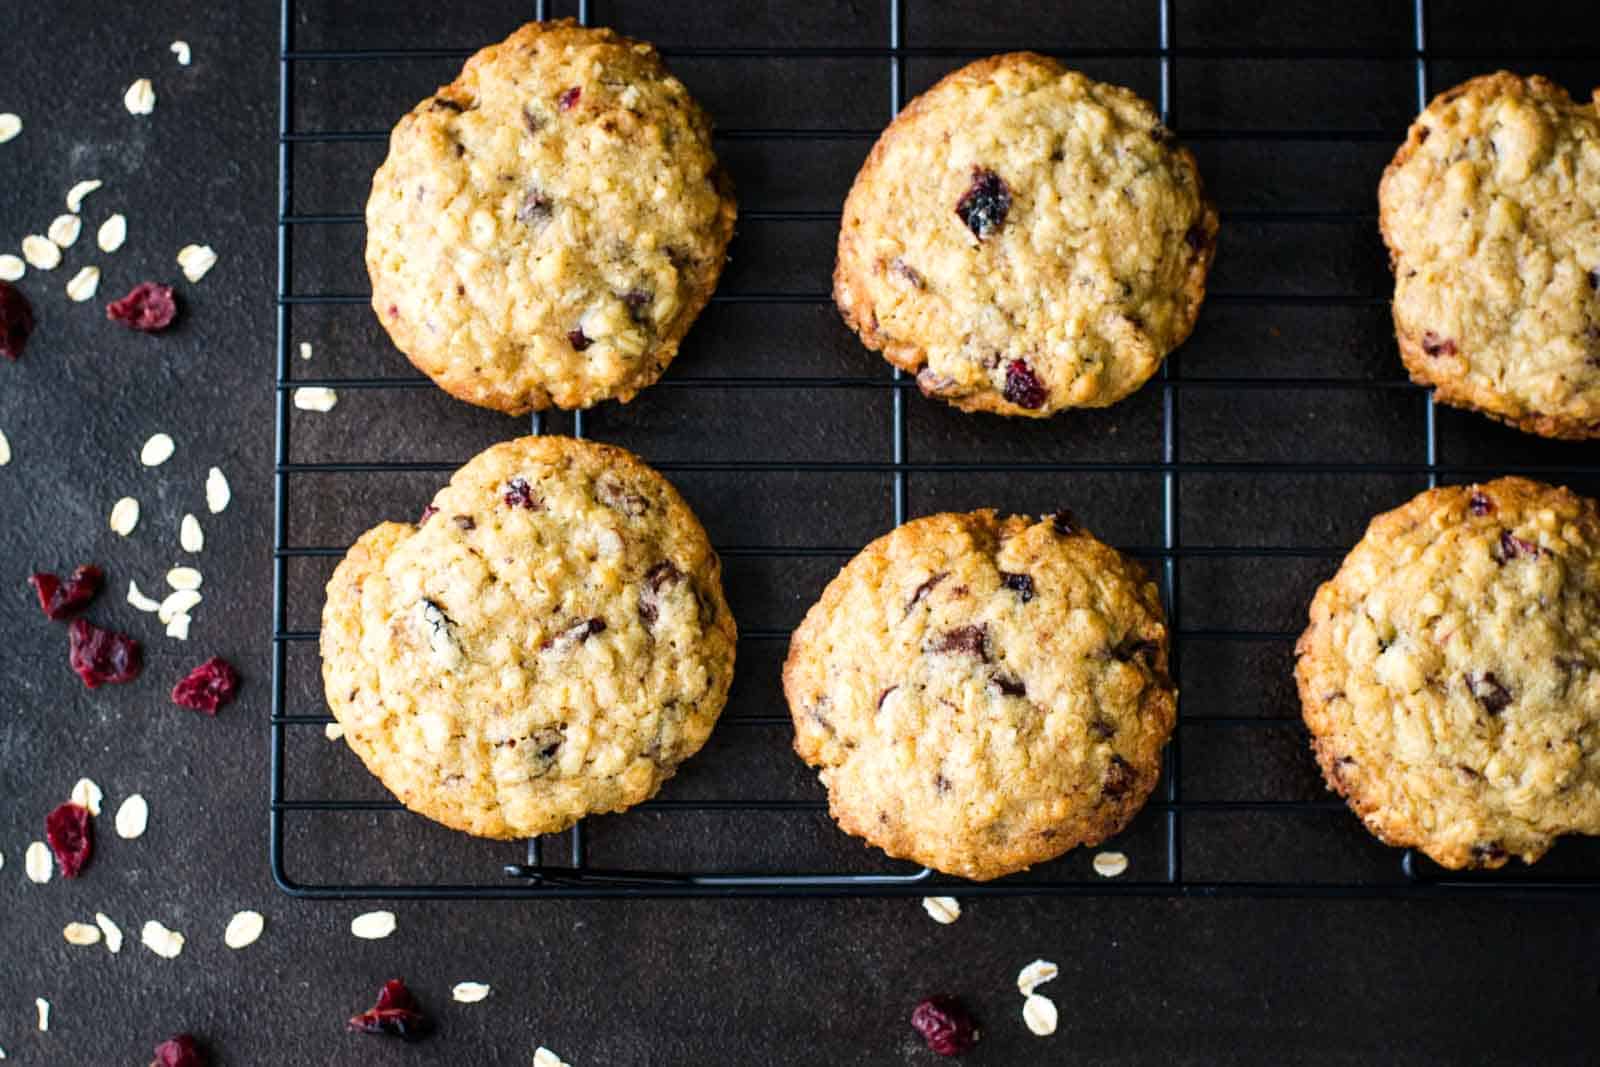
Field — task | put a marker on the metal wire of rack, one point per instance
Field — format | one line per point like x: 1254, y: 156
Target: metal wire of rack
x: 560, y: 867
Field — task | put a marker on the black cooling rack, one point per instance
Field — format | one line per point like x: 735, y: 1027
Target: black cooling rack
x: 1298, y: 841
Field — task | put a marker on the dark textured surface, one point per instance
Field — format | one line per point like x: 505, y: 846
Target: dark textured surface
x: 802, y: 982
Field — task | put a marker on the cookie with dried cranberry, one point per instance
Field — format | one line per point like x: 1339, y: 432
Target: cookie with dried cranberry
x: 1450, y: 674
x: 551, y: 641
x: 547, y: 226
x: 1025, y: 240
x: 980, y: 694
x: 1491, y: 211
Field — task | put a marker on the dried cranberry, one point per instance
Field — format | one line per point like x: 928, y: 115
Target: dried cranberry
x: 101, y: 656
x: 1494, y: 697
x: 535, y: 208
x: 921, y: 592
x: 985, y: 204
x: 396, y: 1013
x: 1131, y: 646
x: 1594, y: 280
x: 946, y: 1025
x: 148, y: 307
x: 1512, y: 546
x: 578, y: 339
x: 576, y: 634
x: 60, y: 599
x: 569, y: 99
x: 1119, y: 777
x: 964, y: 640
x: 1434, y: 345
x: 1479, y: 504
x: 16, y: 321
x: 1021, y: 584
x: 909, y: 274
x: 1023, y: 387
x: 208, y: 687
x: 427, y: 513
x: 1065, y: 523
x: 519, y: 494
x: 1010, y: 685
x: 464, y: 523
x: 179, y: 1050
x: 662, y: 574
x: 1195, y: 237
x: 637, y: 300
x: 71, y: 837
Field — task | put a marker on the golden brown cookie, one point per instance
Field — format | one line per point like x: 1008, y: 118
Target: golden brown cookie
x: 1449, y: 673
x: 1491, y: 211
x: 547, y: 226
x: 550, y: 642
x: 981, y: 694
x: 1024, y: 240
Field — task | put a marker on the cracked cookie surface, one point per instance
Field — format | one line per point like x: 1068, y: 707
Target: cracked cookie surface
x: 550, y: 642
x: 1450, y: 674
x: 981, y: 694
x: 547, y: 226
x: 1025, y: 240
x: 1491, y: 211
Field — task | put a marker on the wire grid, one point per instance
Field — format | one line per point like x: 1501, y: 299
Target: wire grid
x: 538, y: 876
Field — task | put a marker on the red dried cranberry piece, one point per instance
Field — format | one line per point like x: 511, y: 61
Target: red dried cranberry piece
x: 946, y: 1025
x: 148, y: 308
x: 519, y: 494
x: 1020, y: 584
x: 1010, y: 685
x: 427, y: 513
x: 1434, y: 345
x: 1119, y: 777
x: 1023, y: 387
x: 60, y: 599
x: 1196, y: 237
x: 1512, y: 547
x: 179, y: 1050
x: 1131, y: 646
x: 1479, y: 504
x: 101, y: 656
x: 964, y: 640
x: 208, y: 687
x: 1494, y: 697
x: 578, y: 339
x: 16, y: 321
x: 569, y: 99
x: 396, y: 1013
x: 985, y: 204
x: 1065, y: 523
x: 655, y: 579
x: 576, y: 634
x: 920, y: 593
x: 71, y: 837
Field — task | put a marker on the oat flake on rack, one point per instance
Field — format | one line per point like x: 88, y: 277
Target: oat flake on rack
x: 41, y: 252
x: 111, y: 930
x: 315, y: 398
x: 76, y: 194
x: 86, y: 794
x: 182, y: 51
x: 196, y: 261
x: 218, y: 493
x: 10, y: 126
x: 157, y: 450
x: 140, y: 99
x: 139, y: 600
x: 84, y: 285
x: 113, y: 232
x: 133, y: 815
x: 64, y: 230
x: 12, y: 268
x: 190, y: 536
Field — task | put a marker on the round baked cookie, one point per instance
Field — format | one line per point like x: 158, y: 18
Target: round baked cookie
x: 547, y: 226
x: 981, y: 694
x: 1449, y: 673
x: 1025, y: 240
x: 1491, y: 211
x: 549, y: 642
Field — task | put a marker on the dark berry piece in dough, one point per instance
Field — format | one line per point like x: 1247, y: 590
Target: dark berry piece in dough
x: 1131, y: 646
x: 1119, y: 778
x: 569, y: 99
x: 985, y: 204
x: 907, y: 273
x: 1479, y: 504
x: 1020, y: 584
x: 922, y: 591
x: 964, y: 640
x: 1023, y: 387
x: 1514, y: 547
x: 655, y: 579
x: 1010, y: 685
x: 535, y: 209
x: 575, y: 635
x: 578, y: 339
x: 1065, y: 523
x: 520, y: 495
x: 1434, y: 345
x: 1494, y: 697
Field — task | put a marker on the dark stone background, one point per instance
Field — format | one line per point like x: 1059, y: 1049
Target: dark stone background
x: 713, y: 981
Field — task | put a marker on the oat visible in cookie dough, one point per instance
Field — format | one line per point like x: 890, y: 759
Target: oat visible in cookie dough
x: 1491, y: 211
x: 1450, y: 675
x: 1025, y: 240
x: 522, y: 665
x: 966, y: 690
x: 546, y: 227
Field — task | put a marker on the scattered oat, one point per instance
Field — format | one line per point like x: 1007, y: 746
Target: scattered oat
x: 243, y: 929
x: 157, y: 450
x: 942, y: 910
x: 42, y: 1006
x: 178, y: 602
x: 315, y: 398
x: 196, y: 261
x: 5, y: 450
x: 1040, y: 1014
x: 125, y: 515
x: 112, y: 931
x: 178, y: 627
x: 190, y: 536
x: 86, y: 794
x: 10, y: 126
x: 184, y: 578
x: 163, y: 942
x: 543, y: 1057
x: 1035, y: 975
x: 76, y: 194
x: 81, y: 934
x: 113, y: 232
x: 84, y: 285
x: 64, y: 230
x: 218, y: 494
x: 181, y: 50
x: 305, y: 349
x: 133, y: 815
x: 2, y: 861
x: 12, y: 268
x: 469, y: 992
x: 139, y: 600
x: 140, y: 99
x: 41, y: 252
x: 1110, y: 864
x: 37, y: 863
x: 333, y: 731
x: 373, y: 925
